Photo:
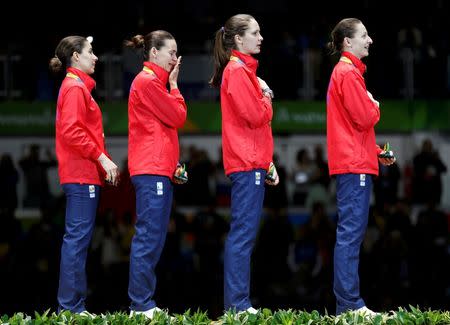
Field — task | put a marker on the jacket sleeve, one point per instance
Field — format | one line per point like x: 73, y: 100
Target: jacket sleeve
x: 169, y: 108
x: 378, y: 149
x: 363, y: 112
x: 247, y: 103
x: 73, y: 130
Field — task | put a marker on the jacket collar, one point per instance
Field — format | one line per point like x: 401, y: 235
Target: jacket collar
x: 162, y: 74
x: 84, y: 77
x: 357, y: 62
x: 248, y: 60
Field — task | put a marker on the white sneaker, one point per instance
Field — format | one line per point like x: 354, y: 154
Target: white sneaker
x: 366, y: 312
x: 85, y: 313
x: 148, y: 313
x: 249, y: 310
x: 252, y: 310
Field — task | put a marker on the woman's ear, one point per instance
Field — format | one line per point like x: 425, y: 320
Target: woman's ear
x: 237, y: 39
x: 347, y: 42
x: 75, y: 56
x: 153, y: 52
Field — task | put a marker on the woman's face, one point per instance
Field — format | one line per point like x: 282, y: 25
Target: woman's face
x: 86, y: 60
x: 359, y: 44
x: 166, y: 56
x: 250, y: 42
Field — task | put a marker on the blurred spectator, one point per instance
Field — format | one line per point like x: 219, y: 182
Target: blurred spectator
x: 170, y: 270
x: 396, y: 271
x: 428, y: 167
x: 107, y: 239
x: 410, y: 37
x: 303, y: 173
x: 399, y: 218
x: 311, y: 259
x: 37, y: 191
x: 408, y: 179
x: 320, y: 180
x: 317, y: 194
x: 287, y: 54
x: 10, y: 235
x: 126, y: 207
x: 431, y: 257
x: 223, y: 183
x: 310, y: 44
x: 386, y: 184
x: 270, y: 271
x: 435, y: 58
x: 36, y: 262
x: 321, y: 173
x: 132, y: 65
x: 276, y: 196
x: 200, y: 168
x: 9, y: 177
x: 109, y: 262
x: 209, y: 239
x: 411, y: 53
x: 209, y: 243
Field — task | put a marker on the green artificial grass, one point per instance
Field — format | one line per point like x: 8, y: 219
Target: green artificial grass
x: 411, y: 316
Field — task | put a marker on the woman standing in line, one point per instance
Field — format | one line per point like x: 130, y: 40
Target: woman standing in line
x: 246, y: 104
x: 353, y: 156
x: 83, y: 164
x: 154, y: 117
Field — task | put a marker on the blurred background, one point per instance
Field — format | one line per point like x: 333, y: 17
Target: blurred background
x: 405, y: 255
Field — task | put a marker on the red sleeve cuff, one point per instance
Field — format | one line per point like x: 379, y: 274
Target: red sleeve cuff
x: 379, y: 150
x: 175, y: 92
x: 96, y: 153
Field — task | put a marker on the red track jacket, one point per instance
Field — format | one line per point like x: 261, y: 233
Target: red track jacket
x: 351, y: 117
x: 154, y: 115
x: 79, y: 131
x: 246, y: 115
